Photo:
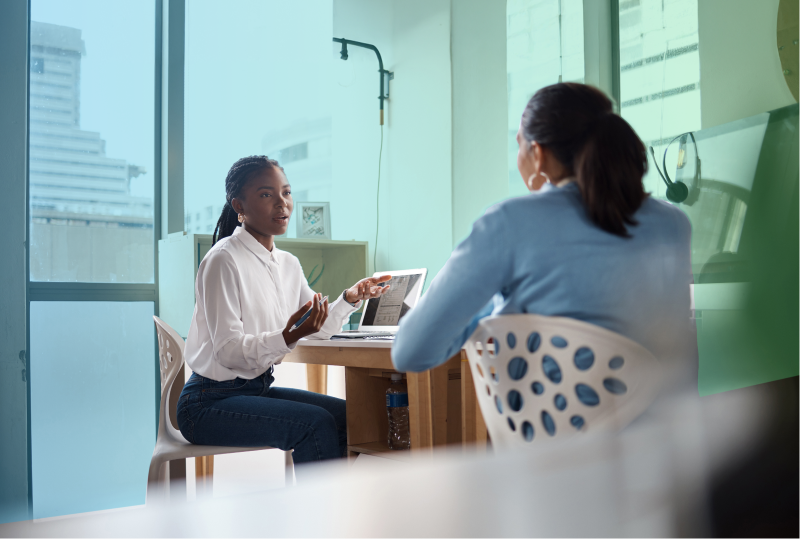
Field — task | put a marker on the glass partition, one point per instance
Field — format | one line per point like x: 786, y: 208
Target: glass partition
x: 659, y: 73
x: 92, y: 141
x: 741, y: 174
x: 92, y: 404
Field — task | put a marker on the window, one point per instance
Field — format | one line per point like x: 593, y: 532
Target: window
x: 37, y: 65
x: 92, y: 404
x: 91, y: 141
x: 92, y: 180
x: 659, y: 73
x: 545, y: 46
x: 297, y: 152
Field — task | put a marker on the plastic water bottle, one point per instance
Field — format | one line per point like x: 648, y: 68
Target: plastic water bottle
x: 397, y: 410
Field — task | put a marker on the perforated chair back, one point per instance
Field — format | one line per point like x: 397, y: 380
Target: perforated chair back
x: 540, y: 378
x: 170, y: 360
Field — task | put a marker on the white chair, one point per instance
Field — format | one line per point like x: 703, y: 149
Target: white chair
x: 540, y: 378
x: 170, y: 443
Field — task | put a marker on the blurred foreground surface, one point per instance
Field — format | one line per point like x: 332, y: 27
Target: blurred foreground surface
x: 722, y: 465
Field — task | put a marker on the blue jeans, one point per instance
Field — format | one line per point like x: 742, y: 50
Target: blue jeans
x: 251, y: 413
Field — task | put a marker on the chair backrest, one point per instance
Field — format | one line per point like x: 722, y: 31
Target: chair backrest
x: 170, y: 360
x: 540, y: 378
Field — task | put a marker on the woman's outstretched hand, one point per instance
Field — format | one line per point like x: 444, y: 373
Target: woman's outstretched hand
x: 319, y: 313
x: 371, y: 287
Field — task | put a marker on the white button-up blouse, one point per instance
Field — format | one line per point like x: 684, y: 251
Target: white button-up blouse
x: 244, y: 297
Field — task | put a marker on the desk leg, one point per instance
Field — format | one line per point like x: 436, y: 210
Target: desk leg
x: 317, y: 376
x: 473, y: 428
x: 420, y: 412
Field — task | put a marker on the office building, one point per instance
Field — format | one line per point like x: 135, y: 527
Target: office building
x: 79, y: 196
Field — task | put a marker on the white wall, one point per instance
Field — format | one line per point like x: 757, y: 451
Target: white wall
x: 415, y: 212
x: 444, y: 157
x: 480, y: 110
x: 355, y: 130
x: 740, y: 71
x: 420, y: 194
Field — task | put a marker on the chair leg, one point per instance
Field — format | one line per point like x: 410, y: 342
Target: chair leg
x: 157, y: 483
x: 289, y: 467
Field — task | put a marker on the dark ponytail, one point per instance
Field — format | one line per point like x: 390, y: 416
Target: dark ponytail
x: 577, y: 123
x: 236, y: 179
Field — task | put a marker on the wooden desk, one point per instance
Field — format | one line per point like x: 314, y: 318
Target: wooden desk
x: 443, y: 408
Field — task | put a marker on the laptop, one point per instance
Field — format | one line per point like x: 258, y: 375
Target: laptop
x: 380, y: 318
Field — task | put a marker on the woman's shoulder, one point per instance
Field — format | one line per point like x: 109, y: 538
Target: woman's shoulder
x: 285, y: 257
x: 219, y: 256
x: 544, y: 202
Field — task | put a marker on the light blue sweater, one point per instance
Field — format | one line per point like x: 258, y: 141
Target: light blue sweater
x: 541, y: 254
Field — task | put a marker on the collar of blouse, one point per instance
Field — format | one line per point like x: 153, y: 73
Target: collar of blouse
x: 255, y: 247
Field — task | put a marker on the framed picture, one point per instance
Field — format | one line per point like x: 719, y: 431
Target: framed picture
x: 313, y: 220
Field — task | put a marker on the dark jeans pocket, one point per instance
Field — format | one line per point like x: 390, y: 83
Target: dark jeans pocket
x: 212, y: 386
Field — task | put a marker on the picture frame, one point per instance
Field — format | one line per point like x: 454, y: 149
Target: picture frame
x: 313, y: 220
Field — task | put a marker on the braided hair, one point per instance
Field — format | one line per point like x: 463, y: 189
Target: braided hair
x: 237, y: 177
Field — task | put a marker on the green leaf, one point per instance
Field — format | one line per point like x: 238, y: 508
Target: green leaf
x: 318, y: 276
x: 311, y: 275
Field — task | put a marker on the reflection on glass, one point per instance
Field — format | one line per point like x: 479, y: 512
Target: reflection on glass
x: 745, y: 251
x: 544, y: 46
x: 93, y: 391
x: 257, y: 88
x: 719, y: 197
x: 91, y: 141
x: 659, y: 73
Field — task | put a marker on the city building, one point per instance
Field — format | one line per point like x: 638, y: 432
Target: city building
x: 85, y: 225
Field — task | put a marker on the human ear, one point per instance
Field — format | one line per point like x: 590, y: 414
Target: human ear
x: 537, y: 157
x: 236, y: 204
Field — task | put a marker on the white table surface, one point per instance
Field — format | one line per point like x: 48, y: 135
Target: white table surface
x: 345, y: 343
x: 650, y: 480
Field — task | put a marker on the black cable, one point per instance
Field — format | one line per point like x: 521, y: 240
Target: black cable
x: 378, y: 207
x: 655, y: 162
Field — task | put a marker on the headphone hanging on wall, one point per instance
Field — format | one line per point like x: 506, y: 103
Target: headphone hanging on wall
x: 678, y: 191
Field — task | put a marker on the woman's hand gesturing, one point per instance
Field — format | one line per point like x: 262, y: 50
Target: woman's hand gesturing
x: 368, y: 288
x: 319, y: 313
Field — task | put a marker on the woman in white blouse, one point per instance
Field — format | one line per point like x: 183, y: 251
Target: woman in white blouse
x: 249, y: 295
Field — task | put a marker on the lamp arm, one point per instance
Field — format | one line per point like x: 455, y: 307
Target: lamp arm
x: 384, y: 95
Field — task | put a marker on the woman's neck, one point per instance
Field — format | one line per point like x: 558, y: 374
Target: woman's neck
x: 267, y: 241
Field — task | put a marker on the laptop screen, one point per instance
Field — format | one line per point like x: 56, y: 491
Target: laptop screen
x: 388, y: 309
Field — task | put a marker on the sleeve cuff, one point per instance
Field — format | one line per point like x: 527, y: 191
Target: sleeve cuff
x: 355, y: 305
x: 272, y: 347
x: 345, y: 305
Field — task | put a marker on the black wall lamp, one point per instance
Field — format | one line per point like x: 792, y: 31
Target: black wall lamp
x: 388, y: 75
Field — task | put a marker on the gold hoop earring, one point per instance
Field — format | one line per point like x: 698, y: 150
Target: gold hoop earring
x: 241, y: 218
x: 529, y: 183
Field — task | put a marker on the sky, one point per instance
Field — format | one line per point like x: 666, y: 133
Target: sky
x: 117, y: 74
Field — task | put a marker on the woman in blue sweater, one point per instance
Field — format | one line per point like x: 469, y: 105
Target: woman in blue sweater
x: 587, y: 243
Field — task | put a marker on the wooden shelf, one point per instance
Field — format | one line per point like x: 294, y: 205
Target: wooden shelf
x: 381, y: 449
